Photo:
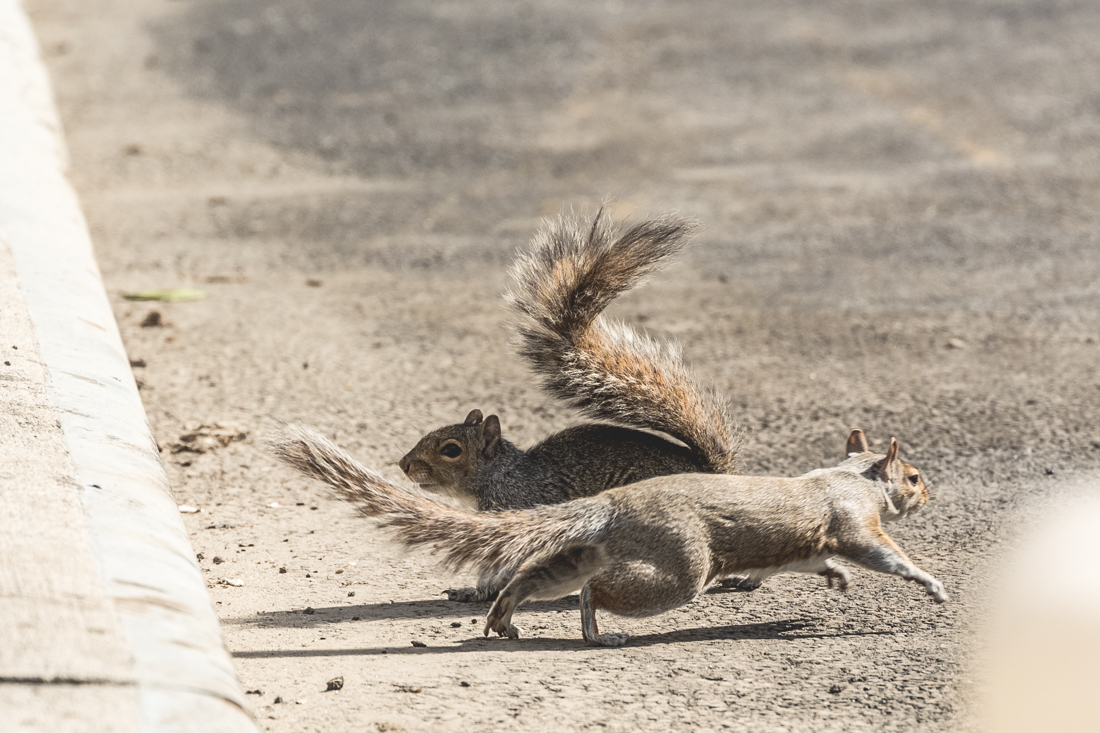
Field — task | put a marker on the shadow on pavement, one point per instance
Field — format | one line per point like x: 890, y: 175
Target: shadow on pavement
x: 399, y: 610
x: 787, y: 629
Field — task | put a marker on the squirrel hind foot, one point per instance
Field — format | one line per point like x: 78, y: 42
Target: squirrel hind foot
x: 471, y: 595
x: 741, y: 583
x: 608, y: 640
x: 500, y: 623
x: 462, y: 595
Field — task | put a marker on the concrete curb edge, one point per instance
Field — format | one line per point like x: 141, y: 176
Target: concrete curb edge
x: 183, y: 674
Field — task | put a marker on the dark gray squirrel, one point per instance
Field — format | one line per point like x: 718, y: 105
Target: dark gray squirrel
x: 572, y: 271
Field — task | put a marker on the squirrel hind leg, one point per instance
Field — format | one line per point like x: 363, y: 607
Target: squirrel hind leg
x: 589, y: 630
x: 543, y: 580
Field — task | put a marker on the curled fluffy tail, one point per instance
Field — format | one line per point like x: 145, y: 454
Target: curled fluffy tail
x: 572, y: 271
x: 483, y: 541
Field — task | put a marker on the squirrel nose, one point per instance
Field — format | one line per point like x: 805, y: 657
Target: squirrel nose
x: 406, y: 464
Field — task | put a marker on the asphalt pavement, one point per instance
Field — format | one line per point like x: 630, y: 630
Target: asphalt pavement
x: 900, y: 203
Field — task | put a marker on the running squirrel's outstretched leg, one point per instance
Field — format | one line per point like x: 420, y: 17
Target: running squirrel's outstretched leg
x: 879, y: 552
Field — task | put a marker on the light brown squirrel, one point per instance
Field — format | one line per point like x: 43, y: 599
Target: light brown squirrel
x: 572, y: 271
x: 646, y: 548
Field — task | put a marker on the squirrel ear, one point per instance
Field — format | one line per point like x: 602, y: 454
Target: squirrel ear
x: 884, y: 465
x: 490, y: 435
x: 857, y: 443
x: 473, y: 418
x: 892, y: 454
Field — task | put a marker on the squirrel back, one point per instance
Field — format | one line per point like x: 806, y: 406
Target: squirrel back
x: 472, y: 462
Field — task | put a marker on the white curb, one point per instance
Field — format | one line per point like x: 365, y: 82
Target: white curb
x: 184, y: 677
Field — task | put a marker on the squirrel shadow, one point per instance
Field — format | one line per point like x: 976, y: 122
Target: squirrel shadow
x: 426, y: 609
x: 786, y: 629
x: 304, y: 618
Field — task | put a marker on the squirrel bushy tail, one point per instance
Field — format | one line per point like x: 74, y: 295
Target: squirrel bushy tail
x: 485, y: 541
x: 609, y: 371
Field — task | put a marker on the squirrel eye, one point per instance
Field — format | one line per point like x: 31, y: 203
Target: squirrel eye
x: 451, y: 450
x: 914, y: 478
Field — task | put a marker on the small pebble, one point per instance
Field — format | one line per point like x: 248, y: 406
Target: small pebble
x: 309, y: 611
x: 278, y: 700
x: 351, y: 594
x: 456, y: 624
x: 463, y: 683
x: 336, y: 683
x: 418, y: 643
x: 282, y: 570
x: 217, y: 560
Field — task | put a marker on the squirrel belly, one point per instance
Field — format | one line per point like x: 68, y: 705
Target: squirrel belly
x: 645, y: 548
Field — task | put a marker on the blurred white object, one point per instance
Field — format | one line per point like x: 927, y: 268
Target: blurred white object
x: 1043, y: 654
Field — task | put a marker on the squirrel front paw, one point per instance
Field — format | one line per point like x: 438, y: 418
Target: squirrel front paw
x: 935, y: 589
